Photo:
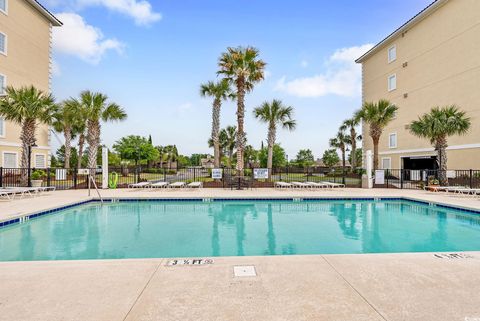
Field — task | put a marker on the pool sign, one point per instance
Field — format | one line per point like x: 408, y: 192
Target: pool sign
x: 217, y: 173
x: 380, y: 177
x: 260, y: 173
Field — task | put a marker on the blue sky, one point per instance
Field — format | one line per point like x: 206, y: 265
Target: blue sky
x: 151, y: 56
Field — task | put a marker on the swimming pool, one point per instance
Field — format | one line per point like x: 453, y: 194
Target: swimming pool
x: 195, y: 228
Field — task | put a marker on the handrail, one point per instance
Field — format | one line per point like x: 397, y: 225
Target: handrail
x: 90, y: 179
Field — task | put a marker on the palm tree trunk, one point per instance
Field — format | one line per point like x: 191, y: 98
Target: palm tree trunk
x: 81, y: 144
x: 240, y: 123
x: 271, y: 143
x: 375, y: 152
x: 442, y: 156
x: 28, y: 139
x: 93, y: 139
x: 216, y: 132
x: 353, y: 136
x: 67, y: 133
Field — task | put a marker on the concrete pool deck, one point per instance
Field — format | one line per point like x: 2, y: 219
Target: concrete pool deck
x: 410, y: 286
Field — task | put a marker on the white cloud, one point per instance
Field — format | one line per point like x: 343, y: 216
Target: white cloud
x: 342, y: 76
x: 80, y: 39
x: 185, y: 108
x: 140, y: 10
x: 304, y: 63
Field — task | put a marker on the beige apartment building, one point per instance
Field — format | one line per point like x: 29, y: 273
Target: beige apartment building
x: 432, y: 60
x: 25, y: 59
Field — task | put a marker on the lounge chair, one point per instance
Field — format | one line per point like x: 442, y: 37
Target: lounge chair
x: 195, y: 185
x: 22, y: 191
x: 159, y: 185
x: 7, y: 193
x: 140, y: 185
x: 283, y: 185
x: 177, y: 185
x: 317, y: 185
x: 333, y: 185
x: 300, y: 185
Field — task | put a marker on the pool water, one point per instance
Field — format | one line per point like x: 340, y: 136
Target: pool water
x: 236, y: 228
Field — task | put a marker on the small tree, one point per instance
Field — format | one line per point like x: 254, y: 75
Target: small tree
x: 279, y: 156
x: 135, y: 148
x: 330, y: 158
x: 304, y: 158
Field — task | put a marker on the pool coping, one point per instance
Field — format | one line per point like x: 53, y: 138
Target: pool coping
x: 27, y: 216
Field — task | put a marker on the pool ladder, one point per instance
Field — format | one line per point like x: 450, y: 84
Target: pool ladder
x: 91, y: 180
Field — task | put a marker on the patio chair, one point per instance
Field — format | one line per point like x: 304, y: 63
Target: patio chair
x: 334, y: 185
x: 140, y: 185
x: 8, y: 194
x: 282, y: 185
x: 300, y: 185
x: 159, y: 185
x: 177, y: 185
x: 317, y: 185
x: 195, y: 185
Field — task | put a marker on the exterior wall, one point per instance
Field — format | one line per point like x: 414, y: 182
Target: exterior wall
x: 27, y: 63
x: 443, y: 67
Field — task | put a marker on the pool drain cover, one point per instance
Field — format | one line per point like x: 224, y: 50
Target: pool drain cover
x: 242, y: 271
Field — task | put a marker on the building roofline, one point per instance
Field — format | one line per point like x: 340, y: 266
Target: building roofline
x: 432, y: 7
x: 47, y: 14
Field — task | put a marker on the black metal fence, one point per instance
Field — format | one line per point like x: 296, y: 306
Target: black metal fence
x: 233, y: 178
x: 61, y: 178
x: 418, y: 179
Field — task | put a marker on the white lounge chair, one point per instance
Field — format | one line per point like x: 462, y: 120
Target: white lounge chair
x: 159, y: 185
x: 317, y: 185
x: 195, y: 185
x: 7, y: 193
x: 300, y: 185
x: 283, y: 185
x: 177, y: 185
x: 140, y: 185
x: 22, y: 191
x: 333, y: 185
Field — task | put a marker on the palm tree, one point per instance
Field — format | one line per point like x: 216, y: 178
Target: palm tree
x: 437, y: 126
x: 220, y: 91
x: 340, y: 142
x: 242, y: 68
x: 228, y: 139
x: 377, y: 116
x: 351, y: 125
x: 97, y: 109
x: 66, y: 121
x: 273, y: 114
x: 27, y: 106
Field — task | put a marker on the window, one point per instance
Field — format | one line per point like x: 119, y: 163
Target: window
x: 3, y: 43
x: 9, y: 160
x: 40, y: 161
x: 392, y: 82
x: 3, y: 84
x: 392, y: 140
x: 3, y: 6
x: 2, y: 127
x: 392, y: 54
x: 386, y: 163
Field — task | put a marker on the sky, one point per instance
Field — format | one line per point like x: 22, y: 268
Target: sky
x: 151, y: 56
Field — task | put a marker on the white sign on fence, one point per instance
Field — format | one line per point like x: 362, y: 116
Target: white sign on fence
x: 60, y: 174
x: 83, y: 171
x: 260, y: 173
x: 380, y: 177
x: 217, y: 173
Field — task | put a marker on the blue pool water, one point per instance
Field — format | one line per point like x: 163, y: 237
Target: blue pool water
x: 236, y: 228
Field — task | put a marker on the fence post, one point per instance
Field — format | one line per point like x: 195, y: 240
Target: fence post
x: 471, y: 178
x: 194, y: 174
x: 48, y: 177
x: 164, y: 175
x: 1, y: 176
x: 401, y: 178
x: 74, y: 178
